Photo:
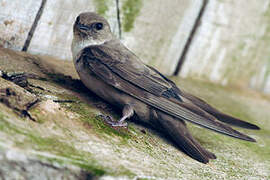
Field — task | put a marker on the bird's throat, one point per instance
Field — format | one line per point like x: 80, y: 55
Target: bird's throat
x: 78, y: 45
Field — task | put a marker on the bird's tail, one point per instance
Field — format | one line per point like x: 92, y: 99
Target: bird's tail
x: 219, y: 115
x: 178, y: 131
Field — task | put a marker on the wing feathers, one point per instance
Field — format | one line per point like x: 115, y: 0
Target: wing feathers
x: 219, y: 115
x: 206, y: 107
x: 135, y: 72
x: 179, y: 110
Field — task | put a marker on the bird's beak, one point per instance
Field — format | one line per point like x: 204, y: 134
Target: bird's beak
x: 83, y: 27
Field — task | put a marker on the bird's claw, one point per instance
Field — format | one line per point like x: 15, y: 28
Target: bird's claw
x: 109, y: 120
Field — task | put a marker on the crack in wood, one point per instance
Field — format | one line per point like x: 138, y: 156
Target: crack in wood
x: 34, y: 26
x: 118, y: 18
x: 190, y: 38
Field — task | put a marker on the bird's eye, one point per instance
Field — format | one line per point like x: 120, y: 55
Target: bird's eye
x: 98, y: 26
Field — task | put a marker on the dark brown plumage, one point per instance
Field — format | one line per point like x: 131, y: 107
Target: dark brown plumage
x: 114, y: 73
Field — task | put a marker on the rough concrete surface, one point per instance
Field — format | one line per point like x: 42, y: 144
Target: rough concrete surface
x: 66, y: 139
x: 17, y: 164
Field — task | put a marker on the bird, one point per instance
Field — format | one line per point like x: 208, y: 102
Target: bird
x: 114, y: 73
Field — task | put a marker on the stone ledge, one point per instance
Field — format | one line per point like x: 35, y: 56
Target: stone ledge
x: 67, y: 131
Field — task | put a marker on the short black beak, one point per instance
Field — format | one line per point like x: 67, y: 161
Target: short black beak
x: 83, y: 27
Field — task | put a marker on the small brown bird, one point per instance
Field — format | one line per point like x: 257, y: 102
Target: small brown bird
x: 117, y: 75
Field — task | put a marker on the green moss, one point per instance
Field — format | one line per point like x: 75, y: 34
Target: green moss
x: 54, y: 146
x: 79, y: 158
x: 267, y: 73
x: 130, y: 9
x: 91, y: 120
x: 101, y: 6
x: 94, y: 170
x: 7, y: 127
x: 61, y: 149
x: 37, y: 115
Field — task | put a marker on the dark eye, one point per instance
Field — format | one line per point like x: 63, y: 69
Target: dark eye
x: 98, y: 26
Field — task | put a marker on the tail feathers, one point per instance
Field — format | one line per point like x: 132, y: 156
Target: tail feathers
x: 219, y: 115
x: 179, y: 133
x: 233, y: 121
x: 215, y: 125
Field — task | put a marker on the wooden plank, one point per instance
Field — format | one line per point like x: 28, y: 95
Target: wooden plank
x: 158, y: 30
x: 16, y: 19
x: 53, y: 35
x: 232, y: 44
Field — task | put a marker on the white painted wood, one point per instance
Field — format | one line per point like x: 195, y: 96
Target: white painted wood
x: 53, y: 35
x: 232, y: 44
x: 160, y: 31
x: 16, y: 19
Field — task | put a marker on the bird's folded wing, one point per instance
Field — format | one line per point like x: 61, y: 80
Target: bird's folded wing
x: 186, y: 97
x: 128, y: 66
x: 111, y: 73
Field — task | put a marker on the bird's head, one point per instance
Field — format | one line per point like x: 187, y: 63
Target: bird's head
x: 90, y: 29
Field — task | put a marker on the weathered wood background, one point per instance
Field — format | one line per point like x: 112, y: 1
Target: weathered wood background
x: 224, y: 41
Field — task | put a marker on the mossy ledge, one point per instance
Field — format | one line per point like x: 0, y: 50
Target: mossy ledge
x: 69, y: 131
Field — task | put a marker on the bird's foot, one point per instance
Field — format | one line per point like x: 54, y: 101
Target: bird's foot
x: 109, y: 120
